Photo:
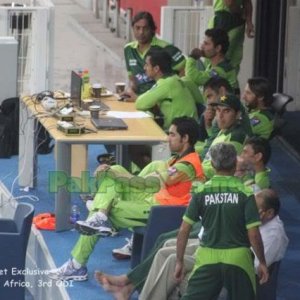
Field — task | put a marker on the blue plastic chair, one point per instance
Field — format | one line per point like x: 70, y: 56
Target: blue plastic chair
x: 14, y: 235
x: 161, y: 219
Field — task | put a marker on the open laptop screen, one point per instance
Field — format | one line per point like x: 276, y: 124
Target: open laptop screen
x: 76, y: 83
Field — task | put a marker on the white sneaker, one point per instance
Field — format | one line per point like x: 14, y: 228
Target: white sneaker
x: 124, y: 252
x: 68, y: 272
x: 97, y: 224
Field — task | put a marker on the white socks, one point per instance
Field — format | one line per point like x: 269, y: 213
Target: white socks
x: 76, y: 264
x: 101, y: 215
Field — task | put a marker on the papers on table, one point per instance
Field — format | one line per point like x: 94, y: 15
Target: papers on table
x: 127, y: 115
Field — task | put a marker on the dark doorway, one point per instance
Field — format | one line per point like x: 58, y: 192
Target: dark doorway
x: 269, y: 41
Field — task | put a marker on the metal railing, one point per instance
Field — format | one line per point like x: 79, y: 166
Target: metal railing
x: 32, y: 25
x: 113, y: 17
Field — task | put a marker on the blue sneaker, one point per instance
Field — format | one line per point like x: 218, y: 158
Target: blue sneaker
x: 95, y: 225
x: 68, y: 272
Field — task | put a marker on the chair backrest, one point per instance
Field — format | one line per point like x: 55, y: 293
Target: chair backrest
x: 162, y: 218
x: 13, y: 250
x: 280, y: 101
x: 267, y: 291
x: 23, y: 219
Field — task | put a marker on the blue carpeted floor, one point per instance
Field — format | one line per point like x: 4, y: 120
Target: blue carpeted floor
x: 60, y: 244
x: 285, y: 178
x: 291, y: 129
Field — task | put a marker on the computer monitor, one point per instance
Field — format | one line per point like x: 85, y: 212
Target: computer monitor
x: 76, y: 84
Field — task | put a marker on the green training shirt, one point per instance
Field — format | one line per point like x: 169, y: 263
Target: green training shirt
x: 223, y: 69
x: 135, y: 61
x: 262, y: 122
x: 257, y: 181
x: 220, y: 5
x: 262, y: 179
x: 173, y: 98
x: 227, y: 209
x: 214, y: 130
x: 235, y: 135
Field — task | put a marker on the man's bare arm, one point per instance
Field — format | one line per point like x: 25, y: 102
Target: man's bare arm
x: 258, y: 247
x: 248, y: 10
x: 182, y: 238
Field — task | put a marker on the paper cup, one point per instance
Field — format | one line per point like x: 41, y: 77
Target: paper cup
x: 97, y: 89
x: 94, y: 109
x: 120, y: 87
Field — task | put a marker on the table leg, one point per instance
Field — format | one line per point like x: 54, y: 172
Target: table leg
x: 122, y: 156
x: 27, y: 147
x: 63, y: 196
x: 79, y: 160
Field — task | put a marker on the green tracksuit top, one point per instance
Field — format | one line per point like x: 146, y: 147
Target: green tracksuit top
x: 262, y: 122
x: 217, y: 201
x: 224, y: 69
x: 172, y: 96
x: 135, y: 61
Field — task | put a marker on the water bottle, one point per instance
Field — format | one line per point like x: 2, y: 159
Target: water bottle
x: 75, y: 214
x: 86, y: 86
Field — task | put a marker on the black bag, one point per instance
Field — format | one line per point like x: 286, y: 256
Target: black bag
x: 5, y: 136
x: 9, y: 127
x: 9, y: 131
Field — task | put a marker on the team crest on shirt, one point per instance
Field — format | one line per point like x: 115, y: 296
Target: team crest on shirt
x: 142, y: 78
x: 132, y: 62
x: 177, y: 56
x: 213, y: 73
x: 254, y: 121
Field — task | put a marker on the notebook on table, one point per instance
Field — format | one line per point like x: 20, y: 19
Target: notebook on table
x: 109, y: 123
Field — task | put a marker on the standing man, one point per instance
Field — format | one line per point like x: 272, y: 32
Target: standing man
x: 214, y: 48
x: 125, y: 201
x: 231, y: 225
x: 160, y: 282
x: 235, y: 17
x: 143, y: 27
x: 258, y: 100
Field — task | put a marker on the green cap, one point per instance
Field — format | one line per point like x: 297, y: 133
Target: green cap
x: 229, y: 100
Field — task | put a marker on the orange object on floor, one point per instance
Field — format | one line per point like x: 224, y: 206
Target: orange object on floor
x: 44, y: 221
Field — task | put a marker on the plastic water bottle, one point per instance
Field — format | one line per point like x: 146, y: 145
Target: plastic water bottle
x: 86, y: 86
x: 75, y: 214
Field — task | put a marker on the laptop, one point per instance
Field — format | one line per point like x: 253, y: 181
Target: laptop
x: 109, y: 123
x: 76, y: 83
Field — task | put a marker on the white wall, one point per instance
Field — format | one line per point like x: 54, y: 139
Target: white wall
x: 291, y: 78
x: 8, y: 62
x: 246, y: 68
